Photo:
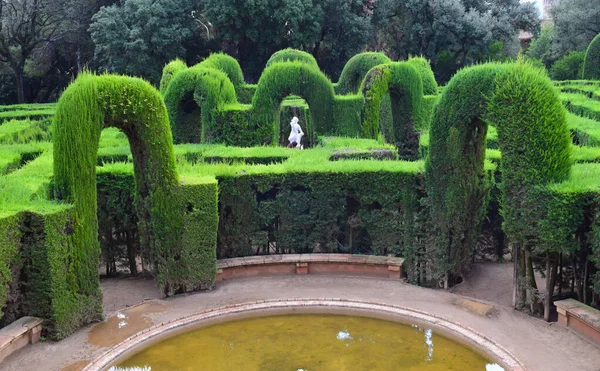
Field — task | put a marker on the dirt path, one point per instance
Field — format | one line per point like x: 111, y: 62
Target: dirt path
x: 492, y: 282
x: 539, y: 345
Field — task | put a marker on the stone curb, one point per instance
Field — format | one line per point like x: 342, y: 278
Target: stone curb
x: 498, y: 352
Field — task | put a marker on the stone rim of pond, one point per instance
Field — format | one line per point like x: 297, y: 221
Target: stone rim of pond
x: 447, y: 328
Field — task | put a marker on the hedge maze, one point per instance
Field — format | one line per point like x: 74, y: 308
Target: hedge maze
x: 132, y: 179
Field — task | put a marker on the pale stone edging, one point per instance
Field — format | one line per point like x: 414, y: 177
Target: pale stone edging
x: 25, y: 330
x: 498, y: 352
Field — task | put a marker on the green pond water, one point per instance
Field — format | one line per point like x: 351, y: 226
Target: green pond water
x: 309, y: 343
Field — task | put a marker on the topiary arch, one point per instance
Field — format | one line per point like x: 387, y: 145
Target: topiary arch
x: 404, y: 85
x: 356, y: 69
x: 523, y: 104
x: 169, y: 70
x: 291, y: 55
x: 191, y: 97
x: 591, y: 63
x: 422, y: 65
x: 88, y: 105
x: 291, y: 78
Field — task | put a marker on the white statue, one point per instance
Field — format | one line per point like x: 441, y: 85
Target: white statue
x: 296, y: 134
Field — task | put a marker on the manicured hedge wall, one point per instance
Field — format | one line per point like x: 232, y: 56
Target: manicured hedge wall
x: 525, y: 106
x: 318, y: 212
x: 422, y: 65
x: 591, y: 63
x: 356, y: 69
x: 192, y: 98
x: 280, y: 80
x: 138, y: 110
x: 403, y: 82
x: 292, y: 55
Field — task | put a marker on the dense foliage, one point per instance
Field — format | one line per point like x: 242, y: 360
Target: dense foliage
x: 591, y: 63
x: 569, y: 67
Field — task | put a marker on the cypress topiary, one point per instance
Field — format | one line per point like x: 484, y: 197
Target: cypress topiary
x: 282, y: 79
x: 591, y: 63
x: 403, y: 83
x: 170, y: 70
x: 356, y: 69
x: 191, y: 99
x: 535, y: 144
x: 422, y: 65
x: 88, y: 105
x: 227, y: 64
x: 291, y: 55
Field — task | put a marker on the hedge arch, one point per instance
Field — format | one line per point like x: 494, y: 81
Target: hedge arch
x: 292, y: 55
x: 535, y: 144
x: 191, y: 99
x: 169, y: 70
x: 356, y: 69
x: 403, y: 83
x: 226, y: 63
x: 291, y: 78
x: 591, y: 63
x: 422, y: 65
x: 88, y: 105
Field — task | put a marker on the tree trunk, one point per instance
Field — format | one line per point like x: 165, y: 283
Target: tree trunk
x: 551, y: 268
x: 531, y: 285
x: 585, y: 281
x: 131, y: 253
x: 560, y: 274
x: 19, y: 83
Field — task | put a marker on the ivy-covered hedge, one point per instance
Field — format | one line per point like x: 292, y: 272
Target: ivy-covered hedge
x: 292, y: 55
x: 591, y: 63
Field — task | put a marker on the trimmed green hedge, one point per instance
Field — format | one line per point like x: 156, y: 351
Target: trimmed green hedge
x: 569, y: 67
x: 405, y: 86
x: 282, y: 79
x: 356, y: 69
x: 192, y: 98
x: 523, y: 103
x: 169, y: 71
x: 137, y: 109
x: 591, y: 63
x: 422, y: 65
x: 292, y: 55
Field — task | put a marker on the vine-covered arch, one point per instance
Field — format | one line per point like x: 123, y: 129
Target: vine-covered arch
x: 403, y: 83
x: 356, y: 69
x: 523, y: 104
x: 281, y: 80
x: 591, y: 63
x: 191, y: 97
x: 88, y: 105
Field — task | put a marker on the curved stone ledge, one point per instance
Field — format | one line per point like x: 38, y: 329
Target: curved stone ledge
x: 25, y: 330
x: 582, y: 318
x: 347, y: 264
x: 454, y: 330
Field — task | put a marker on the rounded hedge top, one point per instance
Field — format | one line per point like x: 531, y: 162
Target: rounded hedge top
x: 591, y: 64
x: 227, y: 64
x: 289, y: 54
x: 422, y: 65
x: 170, y: 70
x: 356, y: 69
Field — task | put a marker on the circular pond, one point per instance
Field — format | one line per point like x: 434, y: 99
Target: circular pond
x: 308, y: 335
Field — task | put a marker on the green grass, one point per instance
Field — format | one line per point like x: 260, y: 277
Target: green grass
x: 27, y: 107
x: 581, y: 105
x: 23, y: 114
x: 25, y: 131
